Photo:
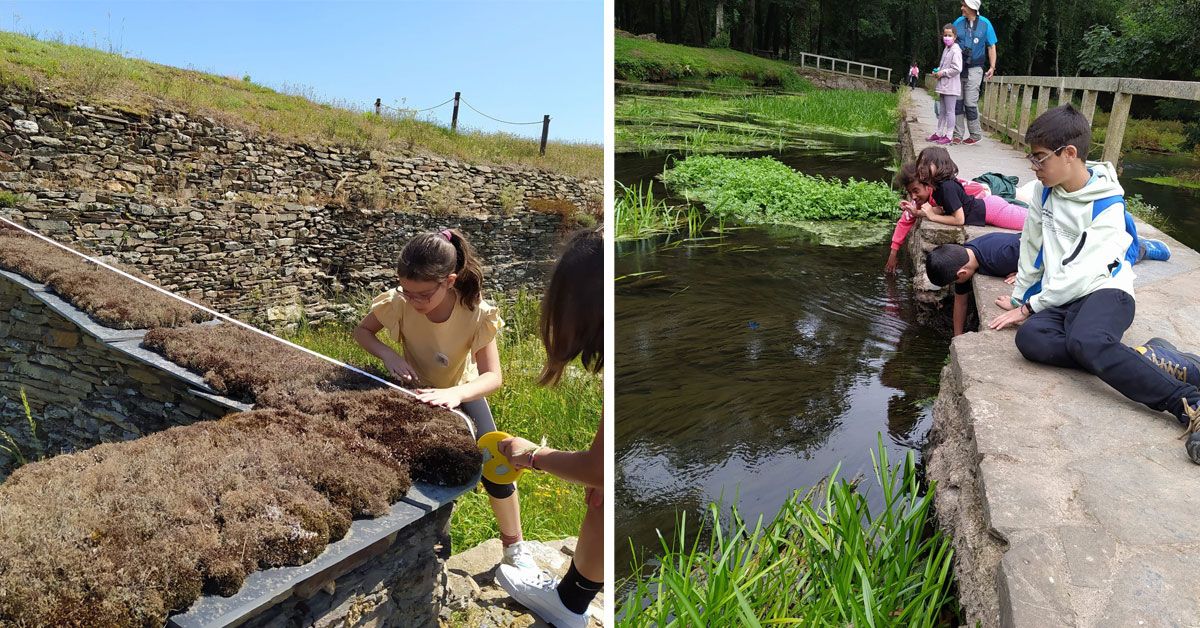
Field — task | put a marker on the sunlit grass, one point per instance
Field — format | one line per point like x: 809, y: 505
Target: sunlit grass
x: 293, y: 113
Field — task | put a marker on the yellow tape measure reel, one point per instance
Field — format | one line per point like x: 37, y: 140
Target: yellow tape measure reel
x: 497, y: 468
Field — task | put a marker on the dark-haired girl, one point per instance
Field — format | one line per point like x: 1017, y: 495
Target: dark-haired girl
x: 449, y: 337
x: 572, y: 326
x: 950, y: 202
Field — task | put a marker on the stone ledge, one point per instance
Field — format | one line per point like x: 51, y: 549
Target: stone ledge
x: 1068, y: 505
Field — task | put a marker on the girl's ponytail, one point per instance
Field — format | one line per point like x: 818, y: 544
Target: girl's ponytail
x: 466, y: 265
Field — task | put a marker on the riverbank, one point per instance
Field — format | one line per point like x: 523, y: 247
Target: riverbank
x: 1066, y: 503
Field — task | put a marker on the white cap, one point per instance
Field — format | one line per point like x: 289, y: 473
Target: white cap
x: 974, y: 4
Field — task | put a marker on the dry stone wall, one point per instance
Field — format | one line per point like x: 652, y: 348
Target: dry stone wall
x: 80, y: 389
x: 261, y: 228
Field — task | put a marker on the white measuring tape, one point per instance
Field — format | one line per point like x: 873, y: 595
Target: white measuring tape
x: 467, y: 420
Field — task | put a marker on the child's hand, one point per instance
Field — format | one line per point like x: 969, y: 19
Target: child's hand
x: 1011, y: 279
x: 401, y: 370
x: 517, y: 450
x: 440, y: 397
x: 908, y: 206
x: 1004, y: 303
x: 1012, y: 317
x: 892, y: 262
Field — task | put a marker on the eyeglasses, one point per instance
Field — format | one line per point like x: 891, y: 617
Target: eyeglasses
x: 1037, y: 161
x: 423, y: 297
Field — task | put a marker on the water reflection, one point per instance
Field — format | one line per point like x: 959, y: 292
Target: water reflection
x: 752, y: 369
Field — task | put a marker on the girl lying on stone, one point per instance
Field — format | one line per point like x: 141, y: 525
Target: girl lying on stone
x: 449, y: 337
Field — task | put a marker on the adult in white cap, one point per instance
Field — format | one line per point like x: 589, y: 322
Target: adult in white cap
x: 977, y: 39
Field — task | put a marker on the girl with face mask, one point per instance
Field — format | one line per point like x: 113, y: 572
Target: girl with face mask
x: 949, y: 87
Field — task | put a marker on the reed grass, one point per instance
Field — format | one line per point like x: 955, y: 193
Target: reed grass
x: 825, y: 560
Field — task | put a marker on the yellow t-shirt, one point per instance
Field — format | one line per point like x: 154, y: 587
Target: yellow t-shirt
x: 443, y: 354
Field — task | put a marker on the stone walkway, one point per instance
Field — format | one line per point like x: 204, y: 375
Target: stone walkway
x: 474, y: 599
x: 1068, y: 504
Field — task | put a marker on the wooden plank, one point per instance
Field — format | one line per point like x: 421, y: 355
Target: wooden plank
x: 1026, y: 107
x: 1088, y: 107
x: 1065, y: 95
x: 1116, y: 127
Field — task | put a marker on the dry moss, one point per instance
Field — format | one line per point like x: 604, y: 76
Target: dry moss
x: 109, y: 298
x: 125, y: 533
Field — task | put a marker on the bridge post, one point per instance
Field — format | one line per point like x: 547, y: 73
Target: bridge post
x: 1116, y: 127
x: 1088, y: 107
x: 1064, y: 96
x: 1043, y: 100
x: 1026, y: 107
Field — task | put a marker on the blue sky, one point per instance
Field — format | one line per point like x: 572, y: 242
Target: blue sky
x: 514, y: 60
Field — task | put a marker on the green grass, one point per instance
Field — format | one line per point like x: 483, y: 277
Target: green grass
x: 1149, y: 214
x: 139, y: 86
x: 824, y: 560
x: 567, y: 415
x: 641, y: 60
x: 13, y: 449
x: 764, y: 190
x: 638, y: 215
x: 707, y: 124
x: 8, y: 199
x: 1173, y: 181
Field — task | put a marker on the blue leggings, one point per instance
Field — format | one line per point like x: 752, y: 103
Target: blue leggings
x: 481, y: 413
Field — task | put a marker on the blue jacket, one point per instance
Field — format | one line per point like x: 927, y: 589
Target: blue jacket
x: 975, y: 41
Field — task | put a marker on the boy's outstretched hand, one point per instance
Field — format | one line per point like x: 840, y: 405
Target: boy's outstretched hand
x: 1012, y: 317
x: 892, y: 262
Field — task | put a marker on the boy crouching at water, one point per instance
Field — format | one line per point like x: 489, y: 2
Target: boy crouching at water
x: 1080, y: 244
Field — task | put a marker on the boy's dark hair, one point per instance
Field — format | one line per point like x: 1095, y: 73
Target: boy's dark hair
x: 1063, y: 125
x: 906, y: 175
x: 573, y: 309
x: 947, y: 27
x: 939, y: 157
x: 942, y: 263
x: 434, y: 256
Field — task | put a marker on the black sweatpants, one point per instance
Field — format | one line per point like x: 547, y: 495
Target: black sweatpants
x: 1086, y: 334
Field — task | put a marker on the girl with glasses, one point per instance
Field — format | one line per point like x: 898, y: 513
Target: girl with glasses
x: 450, y: 357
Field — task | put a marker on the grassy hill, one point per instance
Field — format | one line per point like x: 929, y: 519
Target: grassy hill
x: 642, y: 60
x: 139, y: 86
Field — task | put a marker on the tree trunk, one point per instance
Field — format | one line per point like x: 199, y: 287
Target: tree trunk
x: 676, y: 26
x: 703, y: 41
x: 720, y: 18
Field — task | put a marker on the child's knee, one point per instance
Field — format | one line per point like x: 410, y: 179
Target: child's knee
x: 1030, y: 343
x: 499, y: 491
x: 1087, y: 347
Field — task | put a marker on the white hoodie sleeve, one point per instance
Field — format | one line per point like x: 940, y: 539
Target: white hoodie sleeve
x: 1094, y: 256
x: 1031, y: 246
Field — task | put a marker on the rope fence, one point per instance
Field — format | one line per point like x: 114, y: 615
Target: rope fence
x: 457, y: 99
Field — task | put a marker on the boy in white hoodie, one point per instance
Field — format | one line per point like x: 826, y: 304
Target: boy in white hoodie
x: 1075, y: 277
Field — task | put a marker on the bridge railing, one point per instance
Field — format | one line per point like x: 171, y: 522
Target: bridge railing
x: 845, y: 66
x: 1008, y: 102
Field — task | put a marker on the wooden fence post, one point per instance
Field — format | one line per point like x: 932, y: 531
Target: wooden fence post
x: 1116, y: 127
x: 545, y: 133
x: 1089, y: 104
x: 1026, y: 107
x: 454, y: 118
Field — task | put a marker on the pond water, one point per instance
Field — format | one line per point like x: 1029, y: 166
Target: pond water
x: 754, y: 364
x: 1180, y: 206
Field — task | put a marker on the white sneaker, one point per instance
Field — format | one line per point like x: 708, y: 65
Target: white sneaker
x: 519, y: 555
x: 535, y: 590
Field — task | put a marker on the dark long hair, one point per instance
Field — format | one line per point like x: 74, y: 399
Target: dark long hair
x: 573, y: 309
x: 435, y: 256
x: 938, y: 157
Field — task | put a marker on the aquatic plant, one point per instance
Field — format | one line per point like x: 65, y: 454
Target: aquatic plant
x: 764, y: 190
x: 824, y: 560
